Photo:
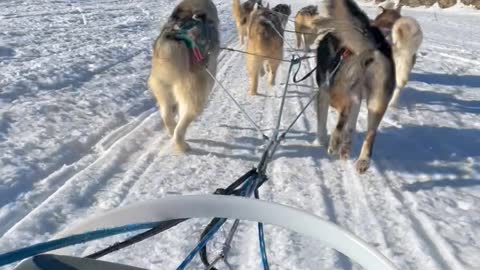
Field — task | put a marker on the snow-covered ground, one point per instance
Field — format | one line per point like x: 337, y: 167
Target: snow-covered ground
x: 80, y: 134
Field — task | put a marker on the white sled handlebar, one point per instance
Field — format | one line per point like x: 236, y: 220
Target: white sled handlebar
x: 209, y: 206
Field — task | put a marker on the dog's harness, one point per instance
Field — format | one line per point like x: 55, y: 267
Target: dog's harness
x: 199, y: 47
x: 334, y: 66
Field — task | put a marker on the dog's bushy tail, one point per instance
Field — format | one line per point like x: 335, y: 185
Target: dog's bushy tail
x: 407, y: 33
x: 350, y: 24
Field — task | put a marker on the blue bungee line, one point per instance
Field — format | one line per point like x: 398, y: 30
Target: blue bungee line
x: 27, y: 252
x: 203, y: 242
x: 263, y: 250
x: 261, y: 241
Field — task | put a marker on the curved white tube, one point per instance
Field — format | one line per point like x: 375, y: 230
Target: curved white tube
x: 202, y: 206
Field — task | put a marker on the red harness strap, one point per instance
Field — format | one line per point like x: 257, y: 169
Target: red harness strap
x: 346, y: 53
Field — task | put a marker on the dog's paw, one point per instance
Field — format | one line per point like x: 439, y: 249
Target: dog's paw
x: 251, y: 93
x: 170, y: 131
x: 332, y: 150
x: 344, y: 153
x: 362, y: 165
x: 181, y: 148
x: 334, y: 145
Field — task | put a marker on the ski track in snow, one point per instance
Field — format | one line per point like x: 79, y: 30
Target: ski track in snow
x: 80, y: 134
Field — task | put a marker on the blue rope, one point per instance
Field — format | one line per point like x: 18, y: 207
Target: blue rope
x: 263, y: 250
x: 261, y: 241
x: 23, y: 253
x: 201, y: 244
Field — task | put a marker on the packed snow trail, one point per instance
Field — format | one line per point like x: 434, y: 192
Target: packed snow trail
x: 80, y: 134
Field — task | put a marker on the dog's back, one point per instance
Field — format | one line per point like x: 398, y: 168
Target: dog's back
x: 265, y: 44
x: 310, y: 10
x: 305, y: 27
x: 283, y: 11
x: 265, y: 33
x: 171, y: 56
x: 241, y: 14
x: 188, y: 42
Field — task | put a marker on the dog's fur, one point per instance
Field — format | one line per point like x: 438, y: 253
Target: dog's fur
x: 264, y: 38
x: 177, y: 82
x: 387, y: 17
x: 368, y: 73
x: 241, y: 14
x: 304, y: 24
x: 284, y: 11
x: 407, y: 36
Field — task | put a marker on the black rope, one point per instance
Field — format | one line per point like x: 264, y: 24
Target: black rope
x: 295, y: 80
x: 297, y: 60
x: 303, y: 33
x: 165, y: 225
x: 244, y: 52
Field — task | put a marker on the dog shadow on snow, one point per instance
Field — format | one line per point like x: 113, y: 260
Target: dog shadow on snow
x: 429, y: 150
x: 447, y: 79
x: 412, y: 97
x: 411, y: 149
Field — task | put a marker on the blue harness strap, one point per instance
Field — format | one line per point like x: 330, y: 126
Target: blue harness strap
x: 27, y: 252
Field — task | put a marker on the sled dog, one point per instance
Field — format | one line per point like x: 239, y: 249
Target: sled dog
x: 305, y: 29
x: 241, y: 14
x: 284, y: 11
x: 265, y: 38
x: 355, y: 62
x: 187, y: 45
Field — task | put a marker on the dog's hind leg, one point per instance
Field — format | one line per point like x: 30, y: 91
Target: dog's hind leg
x: 254, y: 64
x: 165, y: 101
x: 191, y: 96
x: 348, y: 131
x: 298, y: 31
x: 186, y: 116
x: 272, y: 71
x: 336, y: 137
x: 395, y: 96
x: 241, y: 34
x: 322, y: 105
x: 375, y: 115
